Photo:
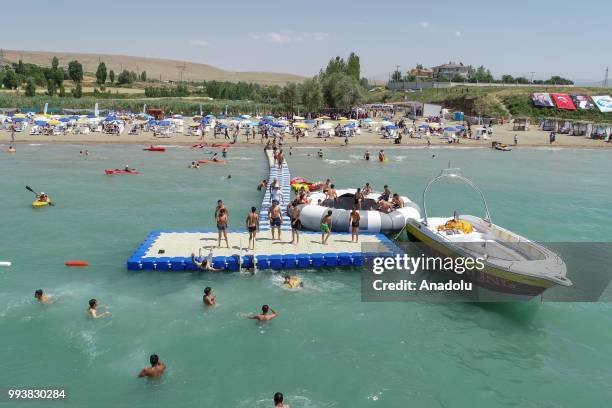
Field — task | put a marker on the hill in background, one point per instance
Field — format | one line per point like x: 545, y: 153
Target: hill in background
x: 156, y: 67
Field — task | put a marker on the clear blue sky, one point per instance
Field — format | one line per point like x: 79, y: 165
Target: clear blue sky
x: 569, y: 38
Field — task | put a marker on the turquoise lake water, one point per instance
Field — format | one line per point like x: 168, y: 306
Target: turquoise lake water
x: 327, y: 348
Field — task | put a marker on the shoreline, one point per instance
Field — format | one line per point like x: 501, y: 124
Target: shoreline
x: 308, y: 144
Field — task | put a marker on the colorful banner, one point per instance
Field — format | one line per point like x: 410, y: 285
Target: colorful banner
x: 603, y: 102
x: 542, y: 100
x: 563, y: 101
x: 582, y: 102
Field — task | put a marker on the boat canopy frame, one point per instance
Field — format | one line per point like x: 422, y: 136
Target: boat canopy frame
x: 455, y: 173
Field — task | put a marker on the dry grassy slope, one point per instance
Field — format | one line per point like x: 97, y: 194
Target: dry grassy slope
x: 154, y: 67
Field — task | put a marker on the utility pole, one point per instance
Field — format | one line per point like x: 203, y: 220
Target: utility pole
x: 181, y: 68
x: 531, y: 77
x: 605, y: 83
x: 2, y: 61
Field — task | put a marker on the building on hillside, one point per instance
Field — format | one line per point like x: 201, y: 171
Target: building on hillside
x: 452, y: 70
x: 420, y: 72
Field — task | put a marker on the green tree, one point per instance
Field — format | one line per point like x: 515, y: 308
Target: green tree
x: 101, y: 73
x: 353, y: 67
x: 62, y: 91
x: 290, y: 96
x: 507, y: 79
x: 10, y: 81
x: 347, y: 92
x: 54, y: 63
x: 143, y: 76
x: 51, y: 88
x: 75, y: 71
x: 312, y: 95
x: 125, y: 77
x: 77, y: 91
x: 30, y: 89
x: 111, y: 76
x: 335, y: 66
x: 396, y: 76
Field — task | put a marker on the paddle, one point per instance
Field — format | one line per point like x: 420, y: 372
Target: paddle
x: 30, y: 189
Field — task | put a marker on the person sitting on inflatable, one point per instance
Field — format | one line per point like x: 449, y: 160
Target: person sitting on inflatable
x: 215, y: 158
x: 127, y: 168
x: 42, y: 197
x: 381, y: 156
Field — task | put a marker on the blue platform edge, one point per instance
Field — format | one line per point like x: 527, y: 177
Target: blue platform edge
x: 138, y: 261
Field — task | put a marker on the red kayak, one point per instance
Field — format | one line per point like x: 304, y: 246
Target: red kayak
x: 117, y: 171
x: 212, y: 161
x: 155, y: 149
x: 199, y: 146
x: 221, y: 145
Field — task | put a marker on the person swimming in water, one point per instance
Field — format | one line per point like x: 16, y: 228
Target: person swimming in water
x: 11, y: 149
x: 156, y: 370
x: 41, y: 297
x: 320, y: 154
x: 252, y: 224
x: 209, y: 299
x: 292, y: 282
x: 204, y: 265
x: 381, y: 156
x: 264, y: 316
x: 263, y: 185
x: 278, y: 401
x: 366, y: 156
x: 92, y: 311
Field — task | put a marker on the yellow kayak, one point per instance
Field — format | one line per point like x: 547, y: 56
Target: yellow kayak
x: 38, y: 204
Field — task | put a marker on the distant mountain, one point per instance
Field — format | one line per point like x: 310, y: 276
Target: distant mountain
x: 156, y: 68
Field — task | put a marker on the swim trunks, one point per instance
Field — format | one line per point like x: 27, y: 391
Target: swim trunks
x: 324, y: 227
x: 252, y: 229
x: 275, y: 221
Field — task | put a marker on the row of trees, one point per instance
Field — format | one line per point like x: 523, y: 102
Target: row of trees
x: 337, y: 86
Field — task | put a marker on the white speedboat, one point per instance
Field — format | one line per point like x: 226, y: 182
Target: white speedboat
x: 512, y: 263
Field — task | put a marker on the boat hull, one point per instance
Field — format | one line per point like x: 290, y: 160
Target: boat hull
x: 490, y: 277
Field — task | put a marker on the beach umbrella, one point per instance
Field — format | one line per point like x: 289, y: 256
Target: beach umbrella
x: 450, y: 129
x: 309, y: 121
x: 300, y: 126
x: 245, y: 116
x: 194, y: 125
x: 326, y: 126
x: 54, y: 122
x: 350, y: 125
x: 283, y: 122
x: 165, y: 123
x: 16, y: 120
x: 222, y: 126
x: 40, y: 123
x: 298, y: 118
x: 19, y: 115
x: 268, y: 117
x: 434, y: 125
x: 323, y: 118
x: 277, y: 125
x: 391, y: 127
x: 221, y: 117
x: 460, y: 127
x: 423, y: 126
x: 64, y: 120
x: 367, y: 120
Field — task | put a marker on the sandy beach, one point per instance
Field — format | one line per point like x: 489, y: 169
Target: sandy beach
x: 501, y: 133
